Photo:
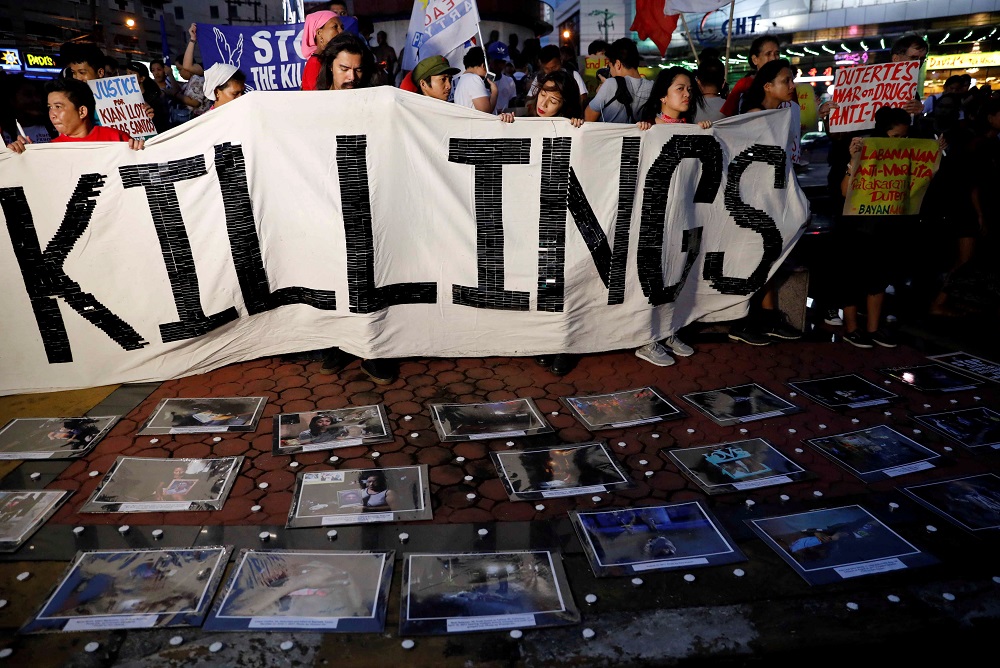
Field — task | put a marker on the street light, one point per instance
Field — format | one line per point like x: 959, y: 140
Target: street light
x: 567, y: 34
x: 130, y: 22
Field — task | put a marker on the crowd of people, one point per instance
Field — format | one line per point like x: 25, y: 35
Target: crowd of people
x: 499, y: 78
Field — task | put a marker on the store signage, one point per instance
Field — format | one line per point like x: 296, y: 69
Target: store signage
x: 40, y: 62
x: 10, y: 60
x: 963, y: 61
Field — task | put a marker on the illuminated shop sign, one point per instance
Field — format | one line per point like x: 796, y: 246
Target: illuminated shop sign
x: 40, y: 62
x: 963, y: 61
x: 10, y: 60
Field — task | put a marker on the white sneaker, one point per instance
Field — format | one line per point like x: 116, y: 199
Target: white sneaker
x: 678, y: 347
x: 654, y: 353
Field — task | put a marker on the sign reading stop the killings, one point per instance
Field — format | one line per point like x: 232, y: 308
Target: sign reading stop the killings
x: 861, y: 91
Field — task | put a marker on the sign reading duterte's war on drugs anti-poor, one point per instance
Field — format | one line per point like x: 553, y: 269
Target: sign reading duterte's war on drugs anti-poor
x: 862, y: 90
x: 120, y: 105
x: 399, y: 226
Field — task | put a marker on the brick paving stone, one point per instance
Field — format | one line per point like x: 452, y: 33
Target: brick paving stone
x: 366, y: 399
x: 277, y: 480
x: 470, y: 515
x: 461, y: 389
x: 479, y: 373
x: 576, y: 434
x: 446, y: 376
x: 409, y: 369
x: 397, y: 459
x: 492, y: 489
x: 517, y: 511
x: 501, y: 395
x: 446, y: 475
x: 331, y: 402
x: 421, y: 380
x: 434, y: 455
x: 193, y: 451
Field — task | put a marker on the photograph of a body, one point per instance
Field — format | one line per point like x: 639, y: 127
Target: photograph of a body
x: 204, y: 415
x: 629, y: 540
x: 442, y: 588
x: 565, y: 470
x: 464, y: 422
x: 742, y: 403
x: 639, y: 406
x: 971, y: 502
x: 168, y: 586
x: 287, y: 589
x: 22, y: 512
x: 138, y: 484
x: 875, y: 453
x: 52, y: 438
x: 972, y: 427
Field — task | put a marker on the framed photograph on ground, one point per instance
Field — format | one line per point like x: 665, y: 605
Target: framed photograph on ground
x: 653, y: 538
x: 932, y: 378
x: 972, y: 502
x: 327, y: 430
x: 971, y: 365
x: 643, y: 405
x: 875, y: 453
x: 23, y: 511
x: 736, y: 466
x: 743, y: 403
x: 297, y: 590
x: 972, y: 427
x: 204, y: 415
x: 464, y: 592
x: 360, y: 496
x: 848, y: 391
x: 53, y: 438
x: 144, y: 484
x: 133, y: 589
x: 501, y: 419
x: 837, y: 544
x: 565, y: 470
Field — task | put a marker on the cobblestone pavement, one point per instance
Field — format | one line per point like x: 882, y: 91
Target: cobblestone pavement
x: 768, y: 613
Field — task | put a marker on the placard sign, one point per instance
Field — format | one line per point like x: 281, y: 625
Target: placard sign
x: 892, y: 177
x: 861, y: 91
x: 120, y: 106
x: 224, y: 243
x: 270, y: 56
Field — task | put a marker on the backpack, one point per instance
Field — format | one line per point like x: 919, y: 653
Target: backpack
x: 624, y: 96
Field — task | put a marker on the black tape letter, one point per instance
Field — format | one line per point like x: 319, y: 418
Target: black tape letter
x: 44, y: 277
x: 158, y: 179
x: 489, y: 156
x: 750, y: 218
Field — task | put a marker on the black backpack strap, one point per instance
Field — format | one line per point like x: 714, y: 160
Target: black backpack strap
x: 624, y: 96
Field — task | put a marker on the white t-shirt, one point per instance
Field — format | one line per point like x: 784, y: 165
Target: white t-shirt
x: 467, y: 87
x: 506, y: 91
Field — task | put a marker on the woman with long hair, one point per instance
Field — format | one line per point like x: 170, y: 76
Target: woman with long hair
x: 674, y: 98
x: 559, y: 97
x: 763, y: 50
x: 773, y: 87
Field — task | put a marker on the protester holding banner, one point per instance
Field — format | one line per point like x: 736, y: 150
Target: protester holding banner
x: 772, y: 87
x: 223, y: 84
x: 550, y: 60
x: 472, y: 88
x: 71, y: 111
x: 432, y: 76
x: 762, y: 51
x: 345, y: 64
x: 320, y: 28
x: 711, y: 78
x: 559, y: 97
x: 673, y: 99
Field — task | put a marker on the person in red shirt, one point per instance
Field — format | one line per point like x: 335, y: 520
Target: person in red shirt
x: 320, y: 28
x: 71, y: 111
x: 763, y: 50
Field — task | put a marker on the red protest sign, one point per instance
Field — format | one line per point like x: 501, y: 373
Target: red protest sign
x: 861, y: 91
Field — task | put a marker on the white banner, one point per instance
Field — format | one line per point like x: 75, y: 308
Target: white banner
x: 386, y: 223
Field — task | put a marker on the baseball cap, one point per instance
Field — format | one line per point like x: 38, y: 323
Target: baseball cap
x: 432, y: 66
x: 498, y: 51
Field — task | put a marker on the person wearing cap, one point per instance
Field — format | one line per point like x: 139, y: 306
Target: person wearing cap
x: 499, y: 57
x: 72, y: 112
x: 432, y: 77
x: 320, y: 28
x: 472, y: 88
x: 223, y: 84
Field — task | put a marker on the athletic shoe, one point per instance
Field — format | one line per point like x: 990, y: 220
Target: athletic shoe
x: 654, y: 353
x: 750, y: 335
x: 859, y: 339
x: 883, y: 338
x: 777, y: 327
x: 381, y: 372
x: 544, y: 360
x: 334, y: 360
x: 832, y: 317
x: 678, y: 347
